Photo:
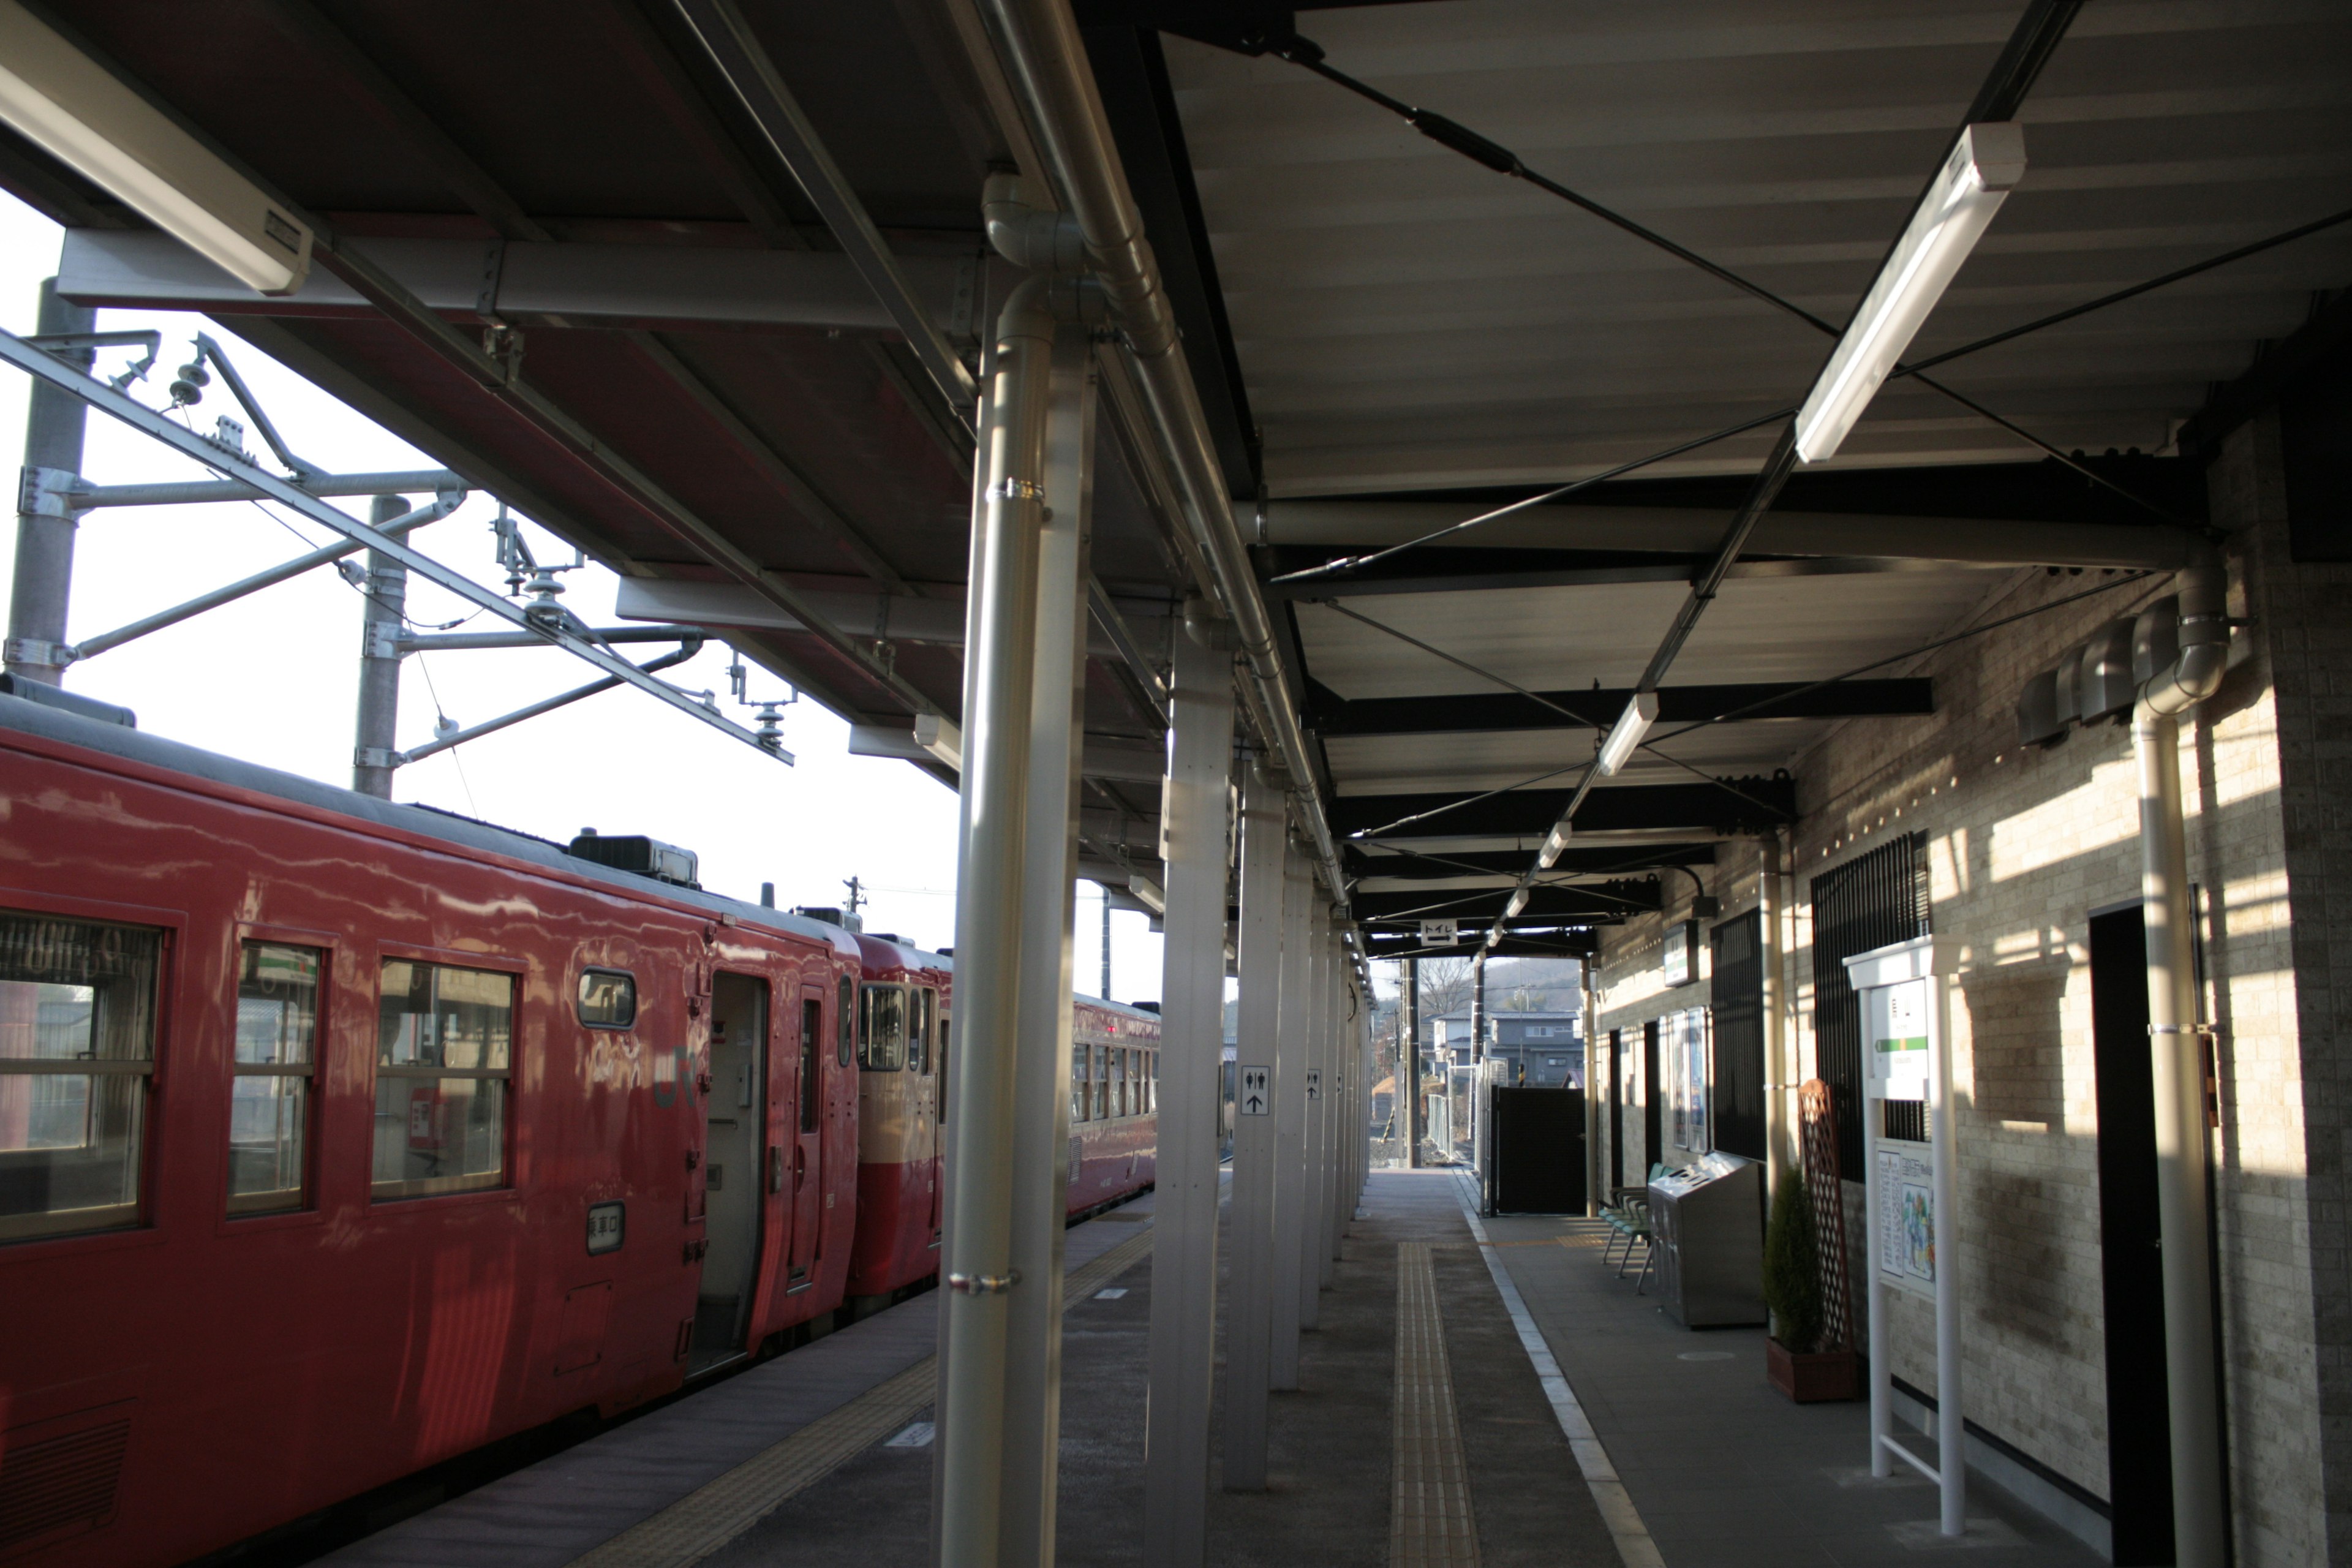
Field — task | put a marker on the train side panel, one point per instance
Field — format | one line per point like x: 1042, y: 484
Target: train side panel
x: 445, y: 1273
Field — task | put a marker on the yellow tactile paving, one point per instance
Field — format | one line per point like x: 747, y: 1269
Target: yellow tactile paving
x: 1430, y: 1521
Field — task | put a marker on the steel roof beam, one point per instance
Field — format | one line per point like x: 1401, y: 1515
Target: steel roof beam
x: 1696, y: 532
x: 1402, y: 865
x: 744, y: 64
x: 1478, y: 711
x: 1386, y: 579
x: 625, y: 285
x: 1482, y: 904
x: 1698, y: 808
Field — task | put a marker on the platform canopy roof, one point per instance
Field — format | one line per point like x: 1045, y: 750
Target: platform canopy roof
x: 1388, y: 335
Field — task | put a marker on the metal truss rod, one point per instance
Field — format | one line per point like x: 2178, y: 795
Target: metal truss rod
x: 1154, y: 691
x: 500, y: 376
x: 207, y: 348
x: 408, y: 482
x: 457, y: 642
x: 447, y: 503
x: 691, y: 646
x: 106, y: 400
x: 753, y: 77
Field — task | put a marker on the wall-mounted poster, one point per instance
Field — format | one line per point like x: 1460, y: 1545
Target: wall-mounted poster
x: 1678, y: 959
x: 1906, y: 1220
x: 1683, y: 1045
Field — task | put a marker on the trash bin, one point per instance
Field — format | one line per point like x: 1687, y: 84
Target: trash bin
x: 1707, y: 1225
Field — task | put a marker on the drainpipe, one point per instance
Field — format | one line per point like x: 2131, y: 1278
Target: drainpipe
x: 2176, y: 1043
x: 983, y: 1149
x: 1037, y: 42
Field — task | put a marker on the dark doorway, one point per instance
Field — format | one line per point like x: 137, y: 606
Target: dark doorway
x: 1538, y: 1150
x: 1616, y: 1144
x: 1738, y: 996
x: 1650, y: 1133
x: 2139, y: 1431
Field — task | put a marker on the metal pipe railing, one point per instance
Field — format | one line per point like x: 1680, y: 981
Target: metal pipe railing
x: 1037, y: 43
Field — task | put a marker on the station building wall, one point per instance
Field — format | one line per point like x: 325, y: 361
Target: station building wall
x: 2023, y: 843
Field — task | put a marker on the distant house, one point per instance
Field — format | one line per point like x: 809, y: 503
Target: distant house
x: 1541, y: 1049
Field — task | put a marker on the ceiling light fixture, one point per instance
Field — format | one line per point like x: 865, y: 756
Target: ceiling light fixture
x: 1554, y: 846
x: 57, y: 97
x: 1985, y: 165
x: 1641, y: 712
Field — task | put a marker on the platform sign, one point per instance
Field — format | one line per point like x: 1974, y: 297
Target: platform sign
x: 1255, y: 1098
x: 1904, y: 1194
x: 1441, y: 933
x: 1313, y: 1083
x: 1895, y: 1020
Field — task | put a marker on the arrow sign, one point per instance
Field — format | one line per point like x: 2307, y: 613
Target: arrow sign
x: 1441, y: 933
x: 1313, y: 1083
x: 1255, y: 1099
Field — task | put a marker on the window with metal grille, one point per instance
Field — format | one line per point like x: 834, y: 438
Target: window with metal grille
x: 1870, y: 901
x: 1738, y: 999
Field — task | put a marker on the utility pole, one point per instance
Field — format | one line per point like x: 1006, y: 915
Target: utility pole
x: 857, y: 898
x: 1409, y: 1062
x: 1106, y: 946
x: 46, y: 522
x: 384, y: 616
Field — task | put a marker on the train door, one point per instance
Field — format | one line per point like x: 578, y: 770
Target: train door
x: 805, y: 1179
x: 935, y: 1062
x: 735, y: 1113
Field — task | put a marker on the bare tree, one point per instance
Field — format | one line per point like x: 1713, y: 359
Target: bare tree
x: 1444, y: 986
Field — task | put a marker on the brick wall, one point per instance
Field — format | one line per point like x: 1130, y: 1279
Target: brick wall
x: 2023, y: 844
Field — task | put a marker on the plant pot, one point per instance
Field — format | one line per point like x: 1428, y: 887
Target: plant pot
x: 1813, y: 1377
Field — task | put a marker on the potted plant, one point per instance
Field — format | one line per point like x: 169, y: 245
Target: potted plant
x: 1795, y: 1360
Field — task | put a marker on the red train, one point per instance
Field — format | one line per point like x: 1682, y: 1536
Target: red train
x: 340, y: 1138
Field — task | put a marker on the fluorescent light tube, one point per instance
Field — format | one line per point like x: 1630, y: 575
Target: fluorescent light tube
x: 1627, y: 732
x: 58, y: 98
x: 1554, y: 847
x: 1518, y: 902
x: 1976, y: 179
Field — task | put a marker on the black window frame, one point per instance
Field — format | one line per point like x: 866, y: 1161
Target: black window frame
x: 580, y: 1003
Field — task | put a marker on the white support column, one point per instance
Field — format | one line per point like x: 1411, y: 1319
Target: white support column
x: 1000, y: 680
x: 1321, y: 1085
x: 1249, y: 1315
x: 1192, y: 1038
x: 1290, y: 1185
x: 1339, y: 1088
x: 1041, y: 1132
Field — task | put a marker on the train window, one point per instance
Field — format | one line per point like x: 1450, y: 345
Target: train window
x: 269, y: 1091
x: 918, y: 1029
x: 1151, y: 1080
x: 445, y: 1050
x: 843, y: 1026
x: 882, y: 1029
x: 1118, y: 1078
x: 1080, y: 1059
x: 812, y: 1038
x: 608, y: 998
x: 77, y: 1050
x: 1102, y: 1079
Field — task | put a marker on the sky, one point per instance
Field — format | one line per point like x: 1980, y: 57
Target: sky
x: 272, y: 678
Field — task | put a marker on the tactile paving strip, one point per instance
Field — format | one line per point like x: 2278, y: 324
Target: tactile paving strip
x: 699, y: 1523
x: 1430, y: 1521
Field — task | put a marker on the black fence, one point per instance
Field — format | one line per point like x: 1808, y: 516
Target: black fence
x: 1870, y: 901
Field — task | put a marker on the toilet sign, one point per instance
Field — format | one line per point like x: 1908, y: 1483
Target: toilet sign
x: 1313, y: 1083
x: 1441, y: 933
x: 1255, y: 1100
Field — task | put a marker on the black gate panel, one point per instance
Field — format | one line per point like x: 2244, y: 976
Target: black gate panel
x: 1538, y: 1150
x: 1739, y: 1002
x: 1871, y: 902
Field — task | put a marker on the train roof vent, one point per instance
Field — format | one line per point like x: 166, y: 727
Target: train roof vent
x: 66, y: 701
x: 635, y: 852
x: 832, y: 917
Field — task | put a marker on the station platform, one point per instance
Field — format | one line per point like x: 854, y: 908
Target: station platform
x: 1474, y: 1392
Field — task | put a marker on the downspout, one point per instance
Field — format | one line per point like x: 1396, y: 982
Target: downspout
x: 1037, y: 42
x: 2176, y: 1046
x: 999, y: 672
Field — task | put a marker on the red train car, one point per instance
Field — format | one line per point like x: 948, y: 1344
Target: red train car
x: 339, y: 1138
